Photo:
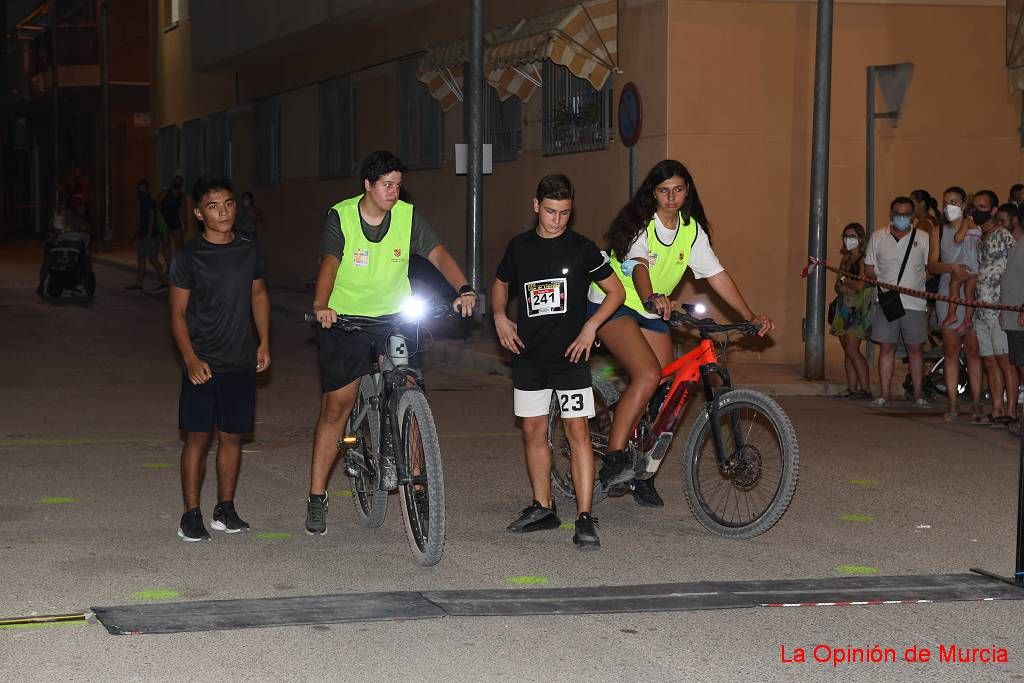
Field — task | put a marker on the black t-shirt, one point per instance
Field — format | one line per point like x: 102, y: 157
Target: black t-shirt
x: 332, y: 242
x: 551, y: 277
x: 219, y: 278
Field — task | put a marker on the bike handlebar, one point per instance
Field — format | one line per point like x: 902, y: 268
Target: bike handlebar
x: 353, y: 323
x: 708, y: 325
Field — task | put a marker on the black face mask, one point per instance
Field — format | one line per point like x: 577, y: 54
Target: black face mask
x: 981, y: 217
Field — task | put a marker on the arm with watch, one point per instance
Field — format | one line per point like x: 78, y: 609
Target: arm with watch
x: 443, y: 261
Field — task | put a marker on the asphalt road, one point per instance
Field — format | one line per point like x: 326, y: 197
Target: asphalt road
x: 89, y: 503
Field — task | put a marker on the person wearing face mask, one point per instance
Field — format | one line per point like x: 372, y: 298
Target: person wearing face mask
x: 963, y: 281
x: 852, y: 321
x: 941, y: 262
x: 996, y: 245
x: 888, y: 249
x: 1017, y: 194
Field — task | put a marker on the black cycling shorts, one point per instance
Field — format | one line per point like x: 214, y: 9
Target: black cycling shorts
x: 346, y: 356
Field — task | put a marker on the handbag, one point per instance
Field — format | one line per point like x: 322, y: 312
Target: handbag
x: 889, y: 299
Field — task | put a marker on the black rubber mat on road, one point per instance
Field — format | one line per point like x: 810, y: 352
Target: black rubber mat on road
x: 178, y: 617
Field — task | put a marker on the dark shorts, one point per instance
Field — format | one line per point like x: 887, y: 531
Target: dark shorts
x: 624, y: 311
x: 345, y: 356
x: 1015, y: 340
x: 534, y: 375
x: 227, y: 402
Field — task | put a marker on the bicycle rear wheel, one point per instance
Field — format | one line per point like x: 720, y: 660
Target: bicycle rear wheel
x: 751, y: 494
x: 370, y: 502
x: 605, y: 394
x: 423, y: 497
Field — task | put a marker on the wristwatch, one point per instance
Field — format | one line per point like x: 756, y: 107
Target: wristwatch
x: 465, y: 290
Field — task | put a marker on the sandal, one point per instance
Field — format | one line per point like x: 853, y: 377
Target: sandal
x: 1002, y: 421
x: 862, y: 395
x: 1014, y: 428
x: 845, y: 393
x: 981, y: 419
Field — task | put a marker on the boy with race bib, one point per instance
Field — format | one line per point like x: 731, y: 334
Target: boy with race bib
x: 551, y: 267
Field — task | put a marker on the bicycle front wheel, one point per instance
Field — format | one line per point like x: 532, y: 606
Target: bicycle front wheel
x: 423, y: 496
x: 751, y: 492
x: 370, y: 502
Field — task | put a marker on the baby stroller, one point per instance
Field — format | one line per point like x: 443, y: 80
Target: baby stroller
x: 68, y: 265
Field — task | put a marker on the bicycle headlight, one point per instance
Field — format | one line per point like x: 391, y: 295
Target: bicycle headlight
x: 700, y: 309
x: 414, y: 308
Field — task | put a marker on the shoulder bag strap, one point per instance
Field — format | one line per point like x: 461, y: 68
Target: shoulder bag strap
x: 910, y: 245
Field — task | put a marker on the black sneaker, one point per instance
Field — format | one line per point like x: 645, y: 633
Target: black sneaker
x: 226, y: 519
x: 388, y: 474
x: 192, y: 528
x: 613, y: 469
x: 536, y: 518
x: 645, y: 494
x: 316, y: 514
x: 585, y: 537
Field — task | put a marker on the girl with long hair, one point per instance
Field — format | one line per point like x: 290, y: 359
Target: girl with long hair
x: 852, y: 321
x: 661, y: 232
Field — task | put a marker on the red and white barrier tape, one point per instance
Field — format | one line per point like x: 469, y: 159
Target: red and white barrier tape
x: 814, y: 263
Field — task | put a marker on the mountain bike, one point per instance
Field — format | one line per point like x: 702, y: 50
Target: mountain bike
x: 392, y: 419
x: 741, y: 458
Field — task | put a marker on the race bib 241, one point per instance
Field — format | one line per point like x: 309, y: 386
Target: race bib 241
x: 545, y: 297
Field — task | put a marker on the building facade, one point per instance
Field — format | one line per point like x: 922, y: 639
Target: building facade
x: 287, y: 98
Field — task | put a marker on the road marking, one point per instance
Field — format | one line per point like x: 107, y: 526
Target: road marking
x: 855, y: 569
x: 526, y: 580
x: 30, y: 442
x: 344, y: 493
x: 858, y: 518
x: 157, y: 465
x: 56, y: 501
x: 273, y: 536
x: 864, y: 482
x: 156, y: 594
x: 568, y: 525
x: 49, y: 624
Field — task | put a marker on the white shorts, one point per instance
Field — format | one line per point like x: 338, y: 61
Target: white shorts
x: 572, y: 402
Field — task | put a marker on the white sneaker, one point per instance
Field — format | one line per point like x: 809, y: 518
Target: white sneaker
x: 879, y: 403
x: 922, y: 403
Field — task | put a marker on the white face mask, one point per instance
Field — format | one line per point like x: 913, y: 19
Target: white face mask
x: 850, y: 243
x: 953, y: 212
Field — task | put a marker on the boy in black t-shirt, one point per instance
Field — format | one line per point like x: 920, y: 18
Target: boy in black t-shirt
x: 551, y: 267
x: 217, y: 293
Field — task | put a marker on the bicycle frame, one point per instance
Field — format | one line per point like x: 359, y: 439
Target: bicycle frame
x: 699, y: 364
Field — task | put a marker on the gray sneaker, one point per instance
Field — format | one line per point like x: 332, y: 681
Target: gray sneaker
x: 388, y: 474
x: 316, y: 514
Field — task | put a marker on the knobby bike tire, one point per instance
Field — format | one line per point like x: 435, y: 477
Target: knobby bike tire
x: 605, y: 394
x: 700, y: 441
x: 370, y: 502
x: 426, y: 536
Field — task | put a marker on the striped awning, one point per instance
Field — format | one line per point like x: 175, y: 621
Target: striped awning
x: 581, y: 37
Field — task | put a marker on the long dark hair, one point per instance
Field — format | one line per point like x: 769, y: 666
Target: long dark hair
x: 931, y: 205
x: 635, y: 215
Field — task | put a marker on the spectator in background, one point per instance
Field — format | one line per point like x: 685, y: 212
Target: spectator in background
x: 926, y: 211
x: 883, y: 261
x: 992, y: 341
x: 1016, y: 194
x: 148, y: 238
x: 852, y: 322
x: 249, y: 217
x: 943, y: 248
x: 1011, y: 292
x: 171, y: 207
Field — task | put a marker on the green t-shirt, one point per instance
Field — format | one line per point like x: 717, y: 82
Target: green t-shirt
x: 424, y: 239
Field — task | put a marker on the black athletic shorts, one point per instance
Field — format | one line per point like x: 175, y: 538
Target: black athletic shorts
x: 226, y: 402
x: 346, y: 356
x: 1015, y: 340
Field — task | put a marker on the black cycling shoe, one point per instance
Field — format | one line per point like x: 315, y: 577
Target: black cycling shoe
x: 645, y: 494
x: 536, y: 518
x: 585, y: 537
x: 613, y: 469
x: 192, y: 528
x: 226, y: 519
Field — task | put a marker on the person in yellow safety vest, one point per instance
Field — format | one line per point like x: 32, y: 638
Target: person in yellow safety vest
x: 655, y: 237
x: 364, y: 271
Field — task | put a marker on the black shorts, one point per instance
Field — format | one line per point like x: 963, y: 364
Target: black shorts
x: 1015, y: 341
x: 534, y: 375
x: 227, y: 402
x: 346, y: 356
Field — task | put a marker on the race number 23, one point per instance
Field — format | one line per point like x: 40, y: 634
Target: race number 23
x: 572, y: 403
